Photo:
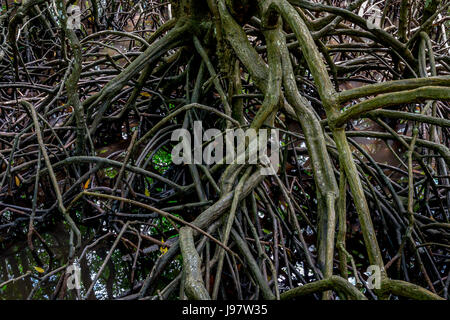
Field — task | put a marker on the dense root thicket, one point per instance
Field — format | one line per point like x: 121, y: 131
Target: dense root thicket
x: 358, y: 90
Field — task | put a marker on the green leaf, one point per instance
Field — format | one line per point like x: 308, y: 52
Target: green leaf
x: 111, y: 172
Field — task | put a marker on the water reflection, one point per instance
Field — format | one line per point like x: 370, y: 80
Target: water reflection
x: 51, y: 252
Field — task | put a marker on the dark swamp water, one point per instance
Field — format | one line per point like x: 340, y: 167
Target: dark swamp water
x: 116, y: 280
